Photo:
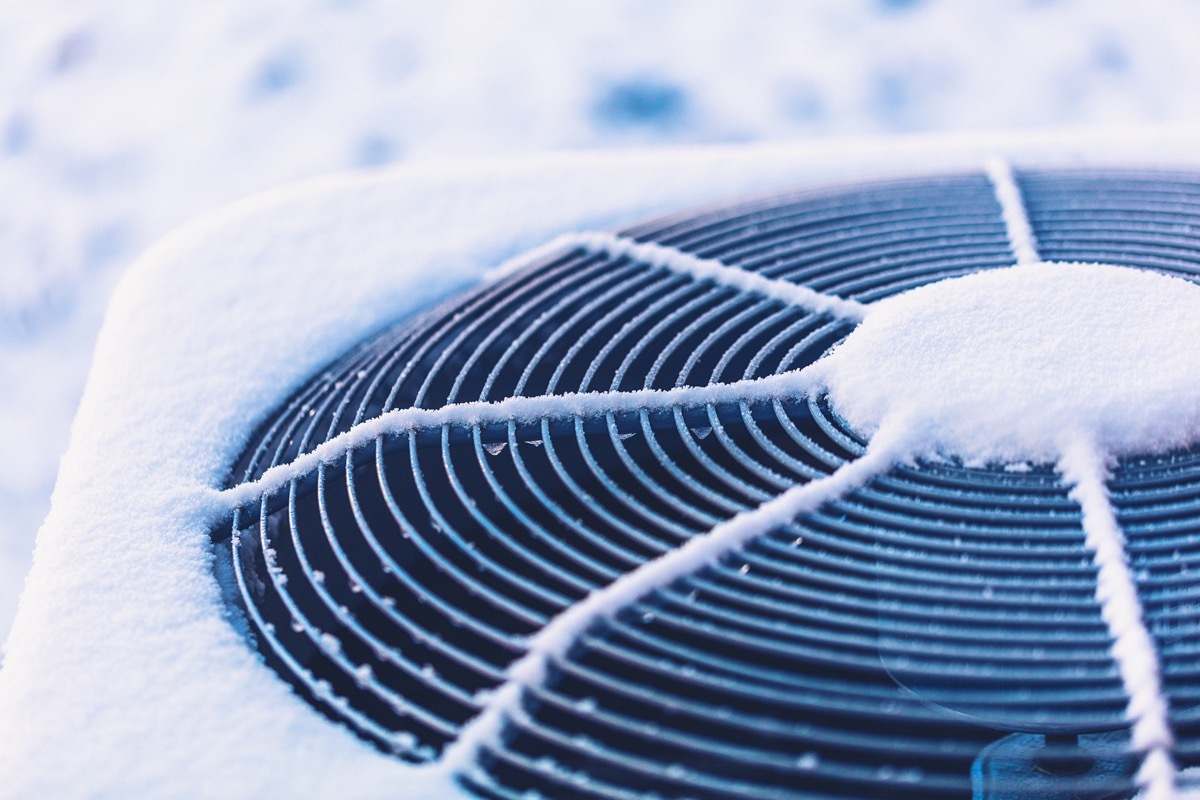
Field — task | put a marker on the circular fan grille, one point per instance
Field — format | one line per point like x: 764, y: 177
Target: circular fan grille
x: 931, y: 633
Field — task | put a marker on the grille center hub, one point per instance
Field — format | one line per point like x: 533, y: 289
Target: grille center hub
x: 1000, y: 365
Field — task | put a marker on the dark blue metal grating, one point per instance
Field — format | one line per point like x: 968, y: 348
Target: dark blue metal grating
x: 872, y: 649
x: 866, y: 242
x: 1158, y: 505
x: 1135, y: 219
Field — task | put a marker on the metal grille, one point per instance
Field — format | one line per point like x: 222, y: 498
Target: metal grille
x: 937, y: 624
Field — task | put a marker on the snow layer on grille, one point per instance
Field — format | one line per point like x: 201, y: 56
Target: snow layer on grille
x: 556, y: 638
x: 1001, y: 365
x: 520, y: 409
x: 122, y: 677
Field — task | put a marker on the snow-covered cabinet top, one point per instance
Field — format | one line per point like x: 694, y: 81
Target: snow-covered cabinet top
x: 470, y: 481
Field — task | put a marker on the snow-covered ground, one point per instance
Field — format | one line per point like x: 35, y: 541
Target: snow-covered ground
x: 120, y: 119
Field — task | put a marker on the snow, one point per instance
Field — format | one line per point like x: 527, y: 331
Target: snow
x: 121, y: 119
x: 1085, y: 468
x: 1001, y: 365
x: 121, y: 634
x: 1012, y: 208
x: 1075, y: 364
x: 528, y: 409
x: 556, y: 638
x: 706, y: 269
x: 518, y: 409
x: 121, y: 638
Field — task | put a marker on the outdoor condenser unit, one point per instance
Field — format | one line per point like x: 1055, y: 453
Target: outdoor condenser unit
x: 445, y: 529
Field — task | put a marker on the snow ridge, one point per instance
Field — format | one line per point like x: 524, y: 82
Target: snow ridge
x: 1021, y: 240
x: 1083, y: 465
x: 702, y: 269
x: 795, y: 383
x: 887, y: 448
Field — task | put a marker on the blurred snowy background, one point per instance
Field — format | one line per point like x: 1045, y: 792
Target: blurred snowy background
x: 120, y: 119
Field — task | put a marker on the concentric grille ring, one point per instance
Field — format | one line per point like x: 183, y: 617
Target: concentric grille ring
x: 872, y: 646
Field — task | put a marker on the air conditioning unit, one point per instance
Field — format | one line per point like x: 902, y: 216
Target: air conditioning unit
x: 859, y: 470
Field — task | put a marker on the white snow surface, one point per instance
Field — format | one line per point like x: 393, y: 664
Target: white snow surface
x: 1002, y: 365
x: 1021, y: 240
x: 1085, y: 467
x: 123, y: 678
